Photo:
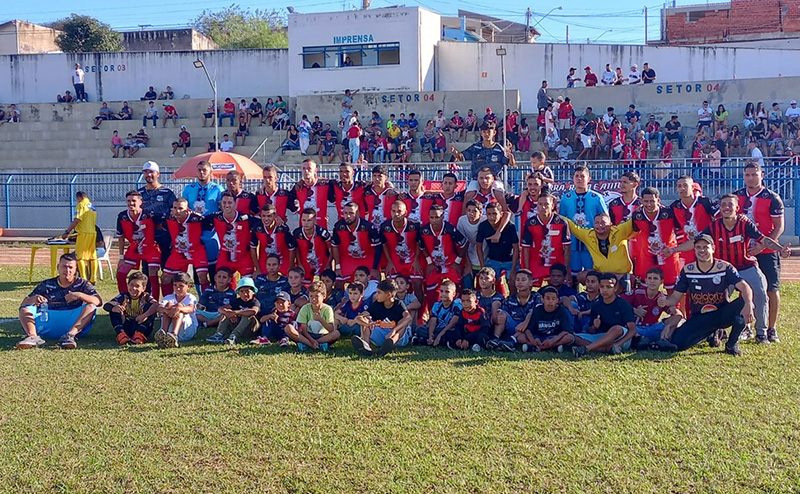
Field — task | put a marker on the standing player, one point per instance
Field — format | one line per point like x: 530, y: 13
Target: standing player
x: 186, y: 230
x: 693, y: 212
x: 203, y: 196
x: 378, y: 198
x: 137, y: 227
x: 765, y: 208
x: 346, y: 190
x: 312, y: 192
x: 270, y: 193
x: 271, y: 237
x: 444, y: 249
x: 658, y: 236
x: 621, y: 208
x: 413, y: 198
x: 312, y: 246
x: 581, y: 206
x: 525, y: 204
x: 157, y: 200
x: 355, y: 243
x: 448, y: 198
x: 246, y: 202
x: 233, y: 230
x: 545, y: 240
x: 400, y: 248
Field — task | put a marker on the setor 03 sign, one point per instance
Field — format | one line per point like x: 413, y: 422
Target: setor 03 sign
x: 681, y: 88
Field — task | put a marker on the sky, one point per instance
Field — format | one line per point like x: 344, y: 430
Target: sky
x: 621, y: 23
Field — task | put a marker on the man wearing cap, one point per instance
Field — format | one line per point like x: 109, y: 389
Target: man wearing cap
x: 793, y: 116
x: 184, y: 141
x: 634, y: 77
x: 704, y: 116
x: 170, y: 113
x: 571, y: 79
x: 542, y: 99
x: 158, y: 201
x: 648, y: 74
x: 78, y: 79
x: 590, y: 79
x: 312, y: 192
x: 706, y: 282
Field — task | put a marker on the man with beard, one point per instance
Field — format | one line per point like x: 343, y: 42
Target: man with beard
x: 186, y: 230
x: 270, y: 193
x: 413, y: 198
x: 400, y: 248
x: 378, y: 198
x: 693, y: 212
x: 157, y: 200
x: 355, y: 243
x: 233, y: 229
x: 271, y: 237
x: 313, y: 246
x: 545, y: 240
x: 658, y: 236
x: 346, y: 190
x: 444, y: 249
x: 312, y: 192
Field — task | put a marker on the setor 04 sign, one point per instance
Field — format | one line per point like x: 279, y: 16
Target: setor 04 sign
x: 680, y: 88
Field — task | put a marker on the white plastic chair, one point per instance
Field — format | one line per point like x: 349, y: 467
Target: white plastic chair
x: 108, y: 239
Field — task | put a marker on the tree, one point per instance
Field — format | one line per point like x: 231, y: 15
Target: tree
x: 82, y: 33
x: 236, y: 28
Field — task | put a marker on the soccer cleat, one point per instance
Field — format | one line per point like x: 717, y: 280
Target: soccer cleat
x: 30, y: 342
x: 579, y: 351
x: 762, y: 339
x: 664, y: 346
x: 217, y: 338
x: 476, y: 348
x: 360, y: 346
x: 507, y: 346
x: 161, y: 338
x: 772, y: 335
x: 493, y: 344
x: 138, y: 338
x: 123, y: 339
x: 302, y: 347
x: 746, y: 334
x: 261, y: 340
x: 284, y: 341
x: 451, y: 346
x: 67, y: 342
x: 733, y: 350
x: 231, y: 339
x: 324, y: 347
x: 713, y: 340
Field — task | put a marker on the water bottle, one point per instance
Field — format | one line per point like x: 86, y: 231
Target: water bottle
x: 44, y: 315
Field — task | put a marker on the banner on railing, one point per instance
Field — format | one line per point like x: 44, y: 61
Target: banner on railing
x: 434, y: 186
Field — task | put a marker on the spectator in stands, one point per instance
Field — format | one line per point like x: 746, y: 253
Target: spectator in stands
x: 674, y: 131
x: 759, y: 134
x: 524, y: 142
x: 572, y: 78
x: 735, y: 142
x: 142, y: 138
x: 632, y: 112
x: 292, y: 141
x: 652, y: 131
x: 542, y: 99
x: 210, y: 112
x: 328, y: 147
x: 125, y: 112
x: 590, y: 79
x: 281, y: 120
x: 566, y: 116
x: 170, y: 113
x: 456, y: 126
x: 775, y: 140
x: 634, y: 126
x: 242, y: 130
x: 150, y: 95
x: 551, y: 140
x: 704, y: 116
x: 255, y: 110
x: 634, y: 77
x: 269, y: 111
x: 184, y: 141
x: 78, y: 79
x: 413, y: 124
x: 793, y: 118
x: 116, y: 145
x: 609, y: 116
x: 151, y: 113
x: 648, y: 74
x: 608, y: 76
x: 226, y: 145
x: 720, y: 117
x: 166, y: 94
x: 105, y: 114
x: 756, y: 156
x: 281, y: 105
x: 130, y: 147
x: 775, y: 116
x: 564, y: 151
x: 67, y: 98
x: 243, y: 110
x: 228, y: 111
x: 619, y: 79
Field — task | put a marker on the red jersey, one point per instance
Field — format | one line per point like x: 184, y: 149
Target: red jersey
x: 314, y: 197
x: 652, y: 311
x: 629, y: 154
x: 246, y: 203
x: 621, y: 211
x: 443, y: 246
x: 340, y: 196
x: 761, y: 207
x: 314, y: 253
x: 356, y: 245
x: 413, y: 205
x: 453, y: 206
x: 526, y: 211
x: 234, y: 236
x: 378, y: 205
x: 590, y: 80
x: 731, y: 245
x: 275, y: 240
x: 281, y: 199
x: 641, y: 149
x: 140, y: 234
x: 543, y: 245
x: 654, y: 234
x: 617, y: 136
x: 485, y: 199
x: 666, y: 152
x: 693, y: 219
x: 186, y: 234
x: 402, y: 245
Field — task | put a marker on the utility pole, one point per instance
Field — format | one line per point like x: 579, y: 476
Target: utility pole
x: 567, y: 34
x: 645, y: 25
x: 528, y: 33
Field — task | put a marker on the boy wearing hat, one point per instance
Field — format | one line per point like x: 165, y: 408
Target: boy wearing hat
x: 590, y: 79
x: 276, y: 323
x: 239, y: 320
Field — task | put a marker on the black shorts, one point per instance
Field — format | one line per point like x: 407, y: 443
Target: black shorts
x: 180, y: 144
x: 770, y: 265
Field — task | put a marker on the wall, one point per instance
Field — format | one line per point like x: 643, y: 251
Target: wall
x: 166, y: 40
x: 120, y: 76
x: 20, y: 37
x: 475, y: 66
x: 408, y: 26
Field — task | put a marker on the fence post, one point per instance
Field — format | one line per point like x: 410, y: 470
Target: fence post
x: 72, y: 195
x: 795, y: 183
x: 8, y: 201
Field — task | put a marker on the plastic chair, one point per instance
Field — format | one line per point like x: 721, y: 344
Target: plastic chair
x: 108, y: 239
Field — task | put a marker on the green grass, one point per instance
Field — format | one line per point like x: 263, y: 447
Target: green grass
x: 204, y: 418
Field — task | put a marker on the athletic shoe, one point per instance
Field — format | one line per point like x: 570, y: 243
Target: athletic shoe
x: 506, y: 346
x: 560, y: 349
x: 772, y: 335
x: 713, y: 339
x: 579, y: 351
x: 664, y: 346
x: 231, y: 339
x: 526, y: 348
x: 642, y: 343
x: 388, y: 346
x: 171, y: 340
x: 733, y: 350
x: 284, y: 341
x: 493, y: 344
x: 161, y: 338
x: 747, y: 334
x: 138, y: 338
x: 217, y: 338
x: 302, y: 347
x: 324, y: 347
x: 123, y: 338
x: 359, y: 345
x: 261, y: 340
x: 171, y: 155
x: 418, y: 341
x: 615, y: 350
x: 183, y: 155
x: 451, y: 346
x: 30, y: 342
x: 762, y: 339
x: 476, y: 348
x: 67, y: 342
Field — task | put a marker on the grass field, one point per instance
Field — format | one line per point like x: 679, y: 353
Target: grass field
x: 210, y: 419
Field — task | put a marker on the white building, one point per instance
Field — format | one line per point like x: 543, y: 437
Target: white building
x: 376, y: 50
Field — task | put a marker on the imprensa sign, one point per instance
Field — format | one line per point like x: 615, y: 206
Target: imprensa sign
x: 353, y: 39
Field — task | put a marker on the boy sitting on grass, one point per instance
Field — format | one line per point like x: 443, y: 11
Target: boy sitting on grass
x: 333, y: 296
x: 649, y: 303
x: 550, y: 326
x: 132, y: 314
x: 345, y: 316
x: 239, y: 321
x: 558, y: 276
x: 444, y: 317
x: 297, y: 291
x: 613, y: 323
x: 384, y: 325
x: 271, y: 284
x: 178, y: 319
x: 315, y: 326
x: 515, y: 314
x: 488, y: 298
x: 215, y: 297
x: 274, y: 324
x: 582, y: 307
x: 410, y: 300
x: 472, y: 330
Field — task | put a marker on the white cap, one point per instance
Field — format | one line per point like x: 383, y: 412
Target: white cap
x: 183, y: 127
x: 151, y: 166
x: 634, y: 66
x: 793, y: 102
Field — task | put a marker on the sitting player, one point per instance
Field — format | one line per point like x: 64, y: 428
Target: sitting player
x: 550, y: 326
x: 472, y: 330
x: 132, y: 314
x: 178, y: 319
x: 345, y: 315
x: 613, y: 323
x: 584, y: 301
x: 297, y: 291
x: 515, y: 314
x: 384, y: 324
x: 488, y: 298
x: 315, y: 324
x: 239, y: 320
x: 443, y: 318
x: 649, y: 303
x: 274, y: 324
x: 410, y: 300
x: 333, y: 296
x: 215, y: 297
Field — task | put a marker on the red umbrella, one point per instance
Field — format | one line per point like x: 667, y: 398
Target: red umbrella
x: 221, y: 164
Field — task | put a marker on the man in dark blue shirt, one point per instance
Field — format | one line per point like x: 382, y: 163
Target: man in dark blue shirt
x: 488, y: 152
x: 613, y: 323
x: 514, y: 315
x: 158, y: 200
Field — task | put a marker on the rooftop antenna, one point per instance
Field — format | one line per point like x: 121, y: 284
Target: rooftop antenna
x: 142, y: 26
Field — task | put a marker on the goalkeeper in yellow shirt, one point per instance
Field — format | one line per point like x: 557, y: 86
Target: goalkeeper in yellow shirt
x: 607, y: 244
x: 84, y: 223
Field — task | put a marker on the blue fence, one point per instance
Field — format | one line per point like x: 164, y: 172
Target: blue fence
x: 46, y: 200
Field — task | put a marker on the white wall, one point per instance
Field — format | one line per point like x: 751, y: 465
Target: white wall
x: 475, y: 66
x: 120, y: 76
x: 411, y: 27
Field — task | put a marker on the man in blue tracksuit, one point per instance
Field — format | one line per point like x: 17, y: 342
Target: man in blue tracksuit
x: 581, y: 205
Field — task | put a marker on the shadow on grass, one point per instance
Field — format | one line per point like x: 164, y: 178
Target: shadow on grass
x: 10, y: 286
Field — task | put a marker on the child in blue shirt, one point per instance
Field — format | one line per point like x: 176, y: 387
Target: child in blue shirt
x: 345, y: 315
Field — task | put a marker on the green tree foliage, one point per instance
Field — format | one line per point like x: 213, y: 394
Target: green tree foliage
x: 82, y: 33
x: 236, y: 28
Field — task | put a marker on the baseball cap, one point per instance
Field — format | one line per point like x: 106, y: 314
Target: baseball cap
x: 166, y: 104
x: 488, y: 110
x: 704, y: 237
x: 560, y: 98
x: 246, y: 282
x: 587, y: 68
x: 634, y: 66
x: 283, y: 296
x: 793, y: 102
x: 151, y: 166
x: 572, y: 68
x: 183, y: 127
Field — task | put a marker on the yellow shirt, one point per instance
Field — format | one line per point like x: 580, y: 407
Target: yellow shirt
x: 85, y: 212
x: 394, y: 132
x: 618, y: 260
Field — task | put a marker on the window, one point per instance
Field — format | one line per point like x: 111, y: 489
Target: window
x: 317, y: 57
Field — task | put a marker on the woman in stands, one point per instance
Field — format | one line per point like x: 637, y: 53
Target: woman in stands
x: 270, y: 110
x: 292, y: 141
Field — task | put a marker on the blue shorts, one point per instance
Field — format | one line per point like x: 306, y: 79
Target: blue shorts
x: 355, y: 329
x: 511, y: 326
x: 59, y: 322
x: 651, y: 332
x: 592, y: 337
x: 379, y: 335
x: 207, y: 314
